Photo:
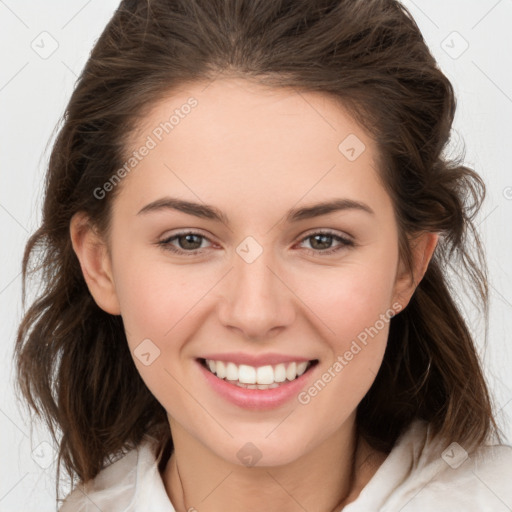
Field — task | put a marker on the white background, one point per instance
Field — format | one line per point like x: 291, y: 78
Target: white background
x: 33, y: 95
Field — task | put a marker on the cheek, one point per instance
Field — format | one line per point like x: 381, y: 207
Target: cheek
x: 153, y: 296
x: 354, y: 308
x: 156, y: 303
x: 350, y: 298
x: 353, y: 304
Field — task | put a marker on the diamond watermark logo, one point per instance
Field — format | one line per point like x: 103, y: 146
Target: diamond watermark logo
x: 45, y: 45
x: 454, y: 455
x: 249, y: 249
x: 249, y: 454
x: 351, y: 147
x: 146, y: 352
x: 454, y: 45
x: 44, y: 454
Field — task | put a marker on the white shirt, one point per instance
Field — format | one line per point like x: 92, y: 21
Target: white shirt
x: 418, y: 475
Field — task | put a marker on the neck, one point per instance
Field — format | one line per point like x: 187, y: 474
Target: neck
x: 324, y: 479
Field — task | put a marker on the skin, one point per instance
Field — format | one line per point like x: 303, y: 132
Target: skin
x: 254, y: 153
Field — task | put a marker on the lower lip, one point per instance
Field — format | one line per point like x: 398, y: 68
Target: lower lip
x: 257, y: 399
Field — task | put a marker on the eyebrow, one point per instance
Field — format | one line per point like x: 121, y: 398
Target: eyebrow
x: 206, y: 211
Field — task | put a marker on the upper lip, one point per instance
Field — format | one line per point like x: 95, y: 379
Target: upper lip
x: 255, y: 360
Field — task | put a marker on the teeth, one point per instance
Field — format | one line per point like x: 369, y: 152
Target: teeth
x: 263, y: 377
x: 291, y: 371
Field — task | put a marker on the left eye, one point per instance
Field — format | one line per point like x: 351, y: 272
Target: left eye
x: 190, y: 243
x: 323, y: 238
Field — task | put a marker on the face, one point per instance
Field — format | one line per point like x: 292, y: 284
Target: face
x: 258, y: 280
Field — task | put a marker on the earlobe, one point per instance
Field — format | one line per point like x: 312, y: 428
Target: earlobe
x: 95, y: 263
x: 422, y: 248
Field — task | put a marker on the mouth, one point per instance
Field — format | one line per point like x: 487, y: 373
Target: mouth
x: 262, y: 378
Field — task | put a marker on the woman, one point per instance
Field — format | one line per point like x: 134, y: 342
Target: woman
x: 306, y: 350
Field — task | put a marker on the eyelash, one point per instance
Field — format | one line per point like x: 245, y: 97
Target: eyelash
x: 345, y: 242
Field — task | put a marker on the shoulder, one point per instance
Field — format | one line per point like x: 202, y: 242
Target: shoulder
x: 131, y: 483
x: 480, y: 480
x: 443, y: 475
x: 423, y: 472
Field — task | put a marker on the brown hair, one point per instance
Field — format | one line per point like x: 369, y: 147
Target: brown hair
x: 73, y: 362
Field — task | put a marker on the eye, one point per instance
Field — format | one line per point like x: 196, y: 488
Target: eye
x: 322, y: 239
x: 189, y: 243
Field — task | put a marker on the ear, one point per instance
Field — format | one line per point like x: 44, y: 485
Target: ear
x: 93, y: 255
x: 422, y: 248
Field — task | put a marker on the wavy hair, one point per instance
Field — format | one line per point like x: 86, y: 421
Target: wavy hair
x: 74, y: 368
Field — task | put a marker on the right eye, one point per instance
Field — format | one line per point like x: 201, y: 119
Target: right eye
x: 187, y: 240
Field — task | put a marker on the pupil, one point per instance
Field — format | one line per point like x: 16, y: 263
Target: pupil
x: 322, y: 237
x: 187, y: 239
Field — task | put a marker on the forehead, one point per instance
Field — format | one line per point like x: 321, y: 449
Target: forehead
x: 238, y: 141
x: 239, y: 114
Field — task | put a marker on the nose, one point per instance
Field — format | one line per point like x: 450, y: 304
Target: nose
x: 257, y: 299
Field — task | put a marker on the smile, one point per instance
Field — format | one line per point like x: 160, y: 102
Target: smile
x: 262, y: 377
